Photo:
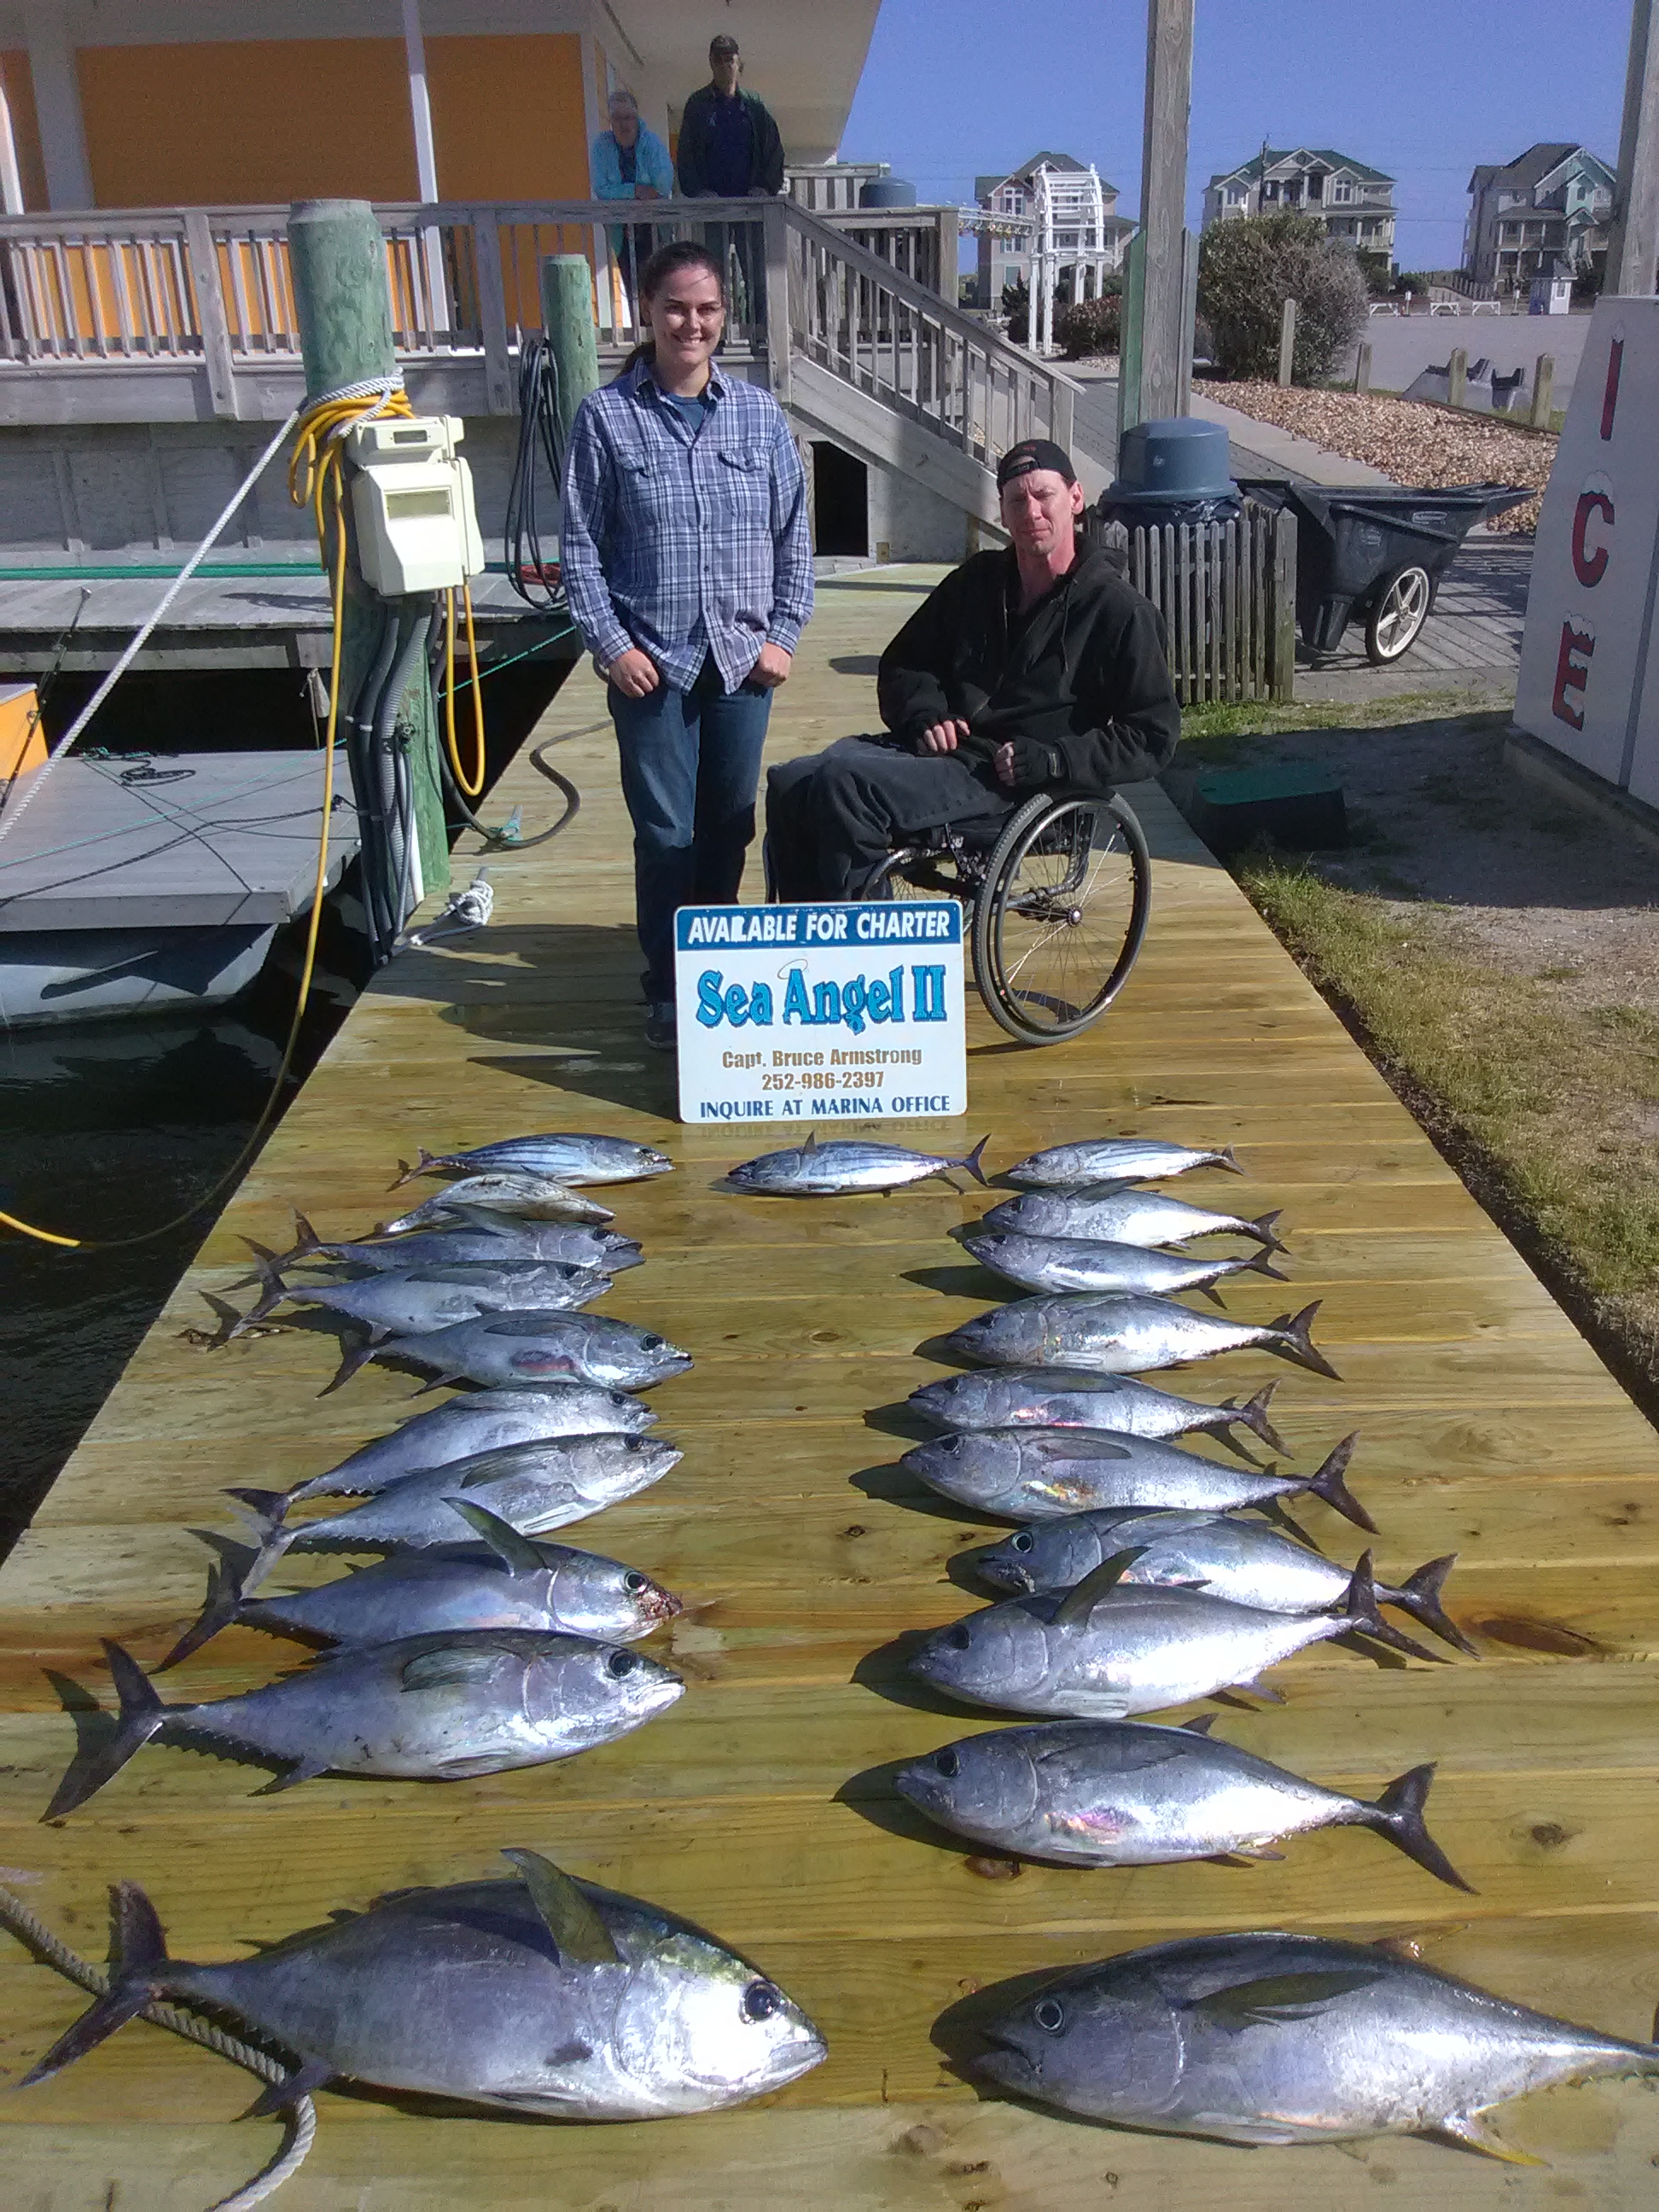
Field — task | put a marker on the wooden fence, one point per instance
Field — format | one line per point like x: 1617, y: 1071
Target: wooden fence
x: 1227, y: 593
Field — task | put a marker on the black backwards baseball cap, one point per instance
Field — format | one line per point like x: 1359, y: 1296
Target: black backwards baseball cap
x: 1034, y: 454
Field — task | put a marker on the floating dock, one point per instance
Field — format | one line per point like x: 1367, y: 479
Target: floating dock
x: 759, y: 1806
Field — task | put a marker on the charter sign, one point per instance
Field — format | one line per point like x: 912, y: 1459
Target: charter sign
x: 821, y: 1013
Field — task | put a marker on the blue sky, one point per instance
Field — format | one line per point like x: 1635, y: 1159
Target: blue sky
x: 1421, y: 88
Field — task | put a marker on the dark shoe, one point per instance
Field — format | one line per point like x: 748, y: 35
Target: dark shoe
x: 661, y: 1030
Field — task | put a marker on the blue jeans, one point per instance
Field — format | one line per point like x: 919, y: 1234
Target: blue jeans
x: 691, y: 761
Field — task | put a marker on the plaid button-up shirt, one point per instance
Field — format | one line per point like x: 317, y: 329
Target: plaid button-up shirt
x: 685, y: 543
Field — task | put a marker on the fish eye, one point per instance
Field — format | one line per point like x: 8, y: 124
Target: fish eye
x: 1049, y: 2012
x: 620, y: 1663
x: 761, y: 2000
x: 652, y: 1343
x: 958, y: 1637
x: 946, y: 1763
x: 632, y: 1582
x: 1023, y: 1541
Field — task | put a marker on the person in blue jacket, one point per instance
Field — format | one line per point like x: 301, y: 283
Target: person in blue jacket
x: 630, y: 162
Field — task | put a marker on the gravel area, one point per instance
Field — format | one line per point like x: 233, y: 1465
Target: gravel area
x: 1410, y: 442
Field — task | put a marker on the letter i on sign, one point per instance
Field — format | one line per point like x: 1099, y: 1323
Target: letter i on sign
x: 1610, y: 389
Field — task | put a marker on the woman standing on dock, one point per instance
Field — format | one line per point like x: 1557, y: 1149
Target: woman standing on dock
x: 688, y: 561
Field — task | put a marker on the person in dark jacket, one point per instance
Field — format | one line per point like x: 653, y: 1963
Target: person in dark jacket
x: 1025, y: 670
x: 729, y: 148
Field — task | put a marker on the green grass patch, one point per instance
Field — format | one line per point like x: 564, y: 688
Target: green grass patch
x: 1560, y: 1102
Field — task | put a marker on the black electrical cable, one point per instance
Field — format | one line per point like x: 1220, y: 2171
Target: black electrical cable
x: 532, y: 575
x: 394, y: 780
x: 373, y: 845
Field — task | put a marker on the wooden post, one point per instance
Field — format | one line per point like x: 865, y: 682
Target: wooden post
x: 1286, y: 341
x: 1281, y: 644
x: 774, y: 242
x: 572, y: 339
x: 343, y: 301
x: 1457, y: 376
x: 204, y: 258
x: 1163, y: 207
x: 1543, y: 391
x: 1362, y: 367
x: 1633, y: 239
x: 499, y: 395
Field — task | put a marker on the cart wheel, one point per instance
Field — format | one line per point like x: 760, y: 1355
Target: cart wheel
x: 1401, y: 609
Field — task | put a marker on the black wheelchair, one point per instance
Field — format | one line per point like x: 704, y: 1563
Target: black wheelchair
x: 1058, y: 893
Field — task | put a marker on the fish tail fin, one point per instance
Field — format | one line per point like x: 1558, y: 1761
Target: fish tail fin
x: 1419, y: 1596
x: 1266, y: 1229
x: 137, y: 1959
x: 307, y: 1242
x: 1261, y: 1263
x: 1253, y: 1415
x: 423, y: 1160
x: 142, y: 1714
x: 1359, y: 1610
x: 971, y: 1160
x: 1225, y: 1158
x: 268, y: 1509
x: 1295, y: 1342
x: 1398, y: 1815
x: 219, y: 1609
x: 352, y: 1357
x: 1330, y: 1485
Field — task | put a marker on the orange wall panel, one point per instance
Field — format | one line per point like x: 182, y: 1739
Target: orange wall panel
x: 241, y: 123
x: 508, y: 117
x: 16, y: 76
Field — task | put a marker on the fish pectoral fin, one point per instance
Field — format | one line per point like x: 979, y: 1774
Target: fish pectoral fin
x: 516, y: 1553
x: 1200, y: 1725
x: 450, y: 1667
x: 1079, y: 1602
x: 282, y: 2096
x: 1276, y: 1997
x: 1472, y: 2131
x: 568, y: 1917
x: 1262, y: 1690
x: 1252, y: 1854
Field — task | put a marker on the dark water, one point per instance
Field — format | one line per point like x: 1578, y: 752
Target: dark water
x: 108, y: 1129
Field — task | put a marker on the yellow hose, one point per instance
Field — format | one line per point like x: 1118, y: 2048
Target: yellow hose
x: 315, y: 479
x: 472, y: 787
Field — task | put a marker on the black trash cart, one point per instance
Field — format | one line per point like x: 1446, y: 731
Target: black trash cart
x: 1375, y: 557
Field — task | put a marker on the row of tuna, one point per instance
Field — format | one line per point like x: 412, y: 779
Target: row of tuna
x: 1136, y: 1582
x: 472, y: 1647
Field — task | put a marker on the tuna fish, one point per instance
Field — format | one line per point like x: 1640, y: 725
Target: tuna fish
x: 427, y: 1708
x: 1107, y: 1650
x: 1073, y: 1263
x: 525, y: 1197
x: 1238, y: 1560
x: 1053, y: 1475
x: 1115, y: 1215
x: 482, y: 1240
x: 411, y: 1301
x: 501, y: 1349
x: 561, y: 1159
x: 1113, y: 1159
x: 1116, y: 1332
x: 539, y: 1995
x: 479, y: 1421
x: 1280, y: 2038
x: 1051, y: 1398
x: 505, y: 1582
x: 1129, y: 1793
x: 816, y: 1171
x: 534, y: 1487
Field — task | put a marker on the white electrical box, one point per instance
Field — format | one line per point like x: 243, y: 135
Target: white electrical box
x: 411, y: 499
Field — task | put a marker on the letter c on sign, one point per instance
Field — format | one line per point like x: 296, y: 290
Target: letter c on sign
x: 1571, y: 672
x: 1589, y: 565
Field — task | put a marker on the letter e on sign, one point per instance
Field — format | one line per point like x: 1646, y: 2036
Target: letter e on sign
x: 1590, y: 563
x: 1573, y: 671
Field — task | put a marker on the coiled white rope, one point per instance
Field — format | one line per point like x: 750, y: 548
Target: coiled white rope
x: 33, y: 1932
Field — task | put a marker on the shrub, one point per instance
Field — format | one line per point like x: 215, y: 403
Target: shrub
x: 1017, y: 306
x: 1247, y: 270
x: 1090, y: 327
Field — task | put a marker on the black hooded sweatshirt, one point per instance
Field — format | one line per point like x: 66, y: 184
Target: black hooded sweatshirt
x: 1085, y: 672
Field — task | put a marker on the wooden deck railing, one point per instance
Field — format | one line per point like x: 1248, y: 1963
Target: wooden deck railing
x: 1227, y: 593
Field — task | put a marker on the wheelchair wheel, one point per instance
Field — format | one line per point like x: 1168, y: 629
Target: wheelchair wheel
x: 916, y: 872
x: 1062, y: 915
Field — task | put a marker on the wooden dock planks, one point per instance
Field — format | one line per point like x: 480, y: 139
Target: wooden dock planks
x: 758, y: 1805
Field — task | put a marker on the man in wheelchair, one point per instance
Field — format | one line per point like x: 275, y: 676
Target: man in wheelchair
x: 1039, y: 667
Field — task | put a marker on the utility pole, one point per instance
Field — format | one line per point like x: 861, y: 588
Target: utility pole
x: 1164, y: 205
x: 1633, y: 240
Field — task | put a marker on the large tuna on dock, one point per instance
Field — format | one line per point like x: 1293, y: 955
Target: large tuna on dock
x: 477, y: 1238
x: 540, y: 1995
x: 502, y: 1350
x: 1118, y: 1333
x: 838, y: 1169
x: 1115, y: 1215
x: 1115, y: 1159
x: 1282, y: 2039
x: 479, y: 1421
x: 426, y: 1708
x: 567, y: 1159
x: 1076, y: 1263
x: 1058, y: 1398
x: 525, y: 1197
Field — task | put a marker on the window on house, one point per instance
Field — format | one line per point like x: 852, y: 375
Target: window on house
x: 1270, y: 190
x: 1316, y: 184
x: 1342, y: 191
